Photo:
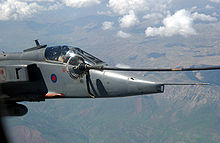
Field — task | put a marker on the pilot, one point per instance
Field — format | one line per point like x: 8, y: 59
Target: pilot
x: 63, y: 59
x: 60, y: 59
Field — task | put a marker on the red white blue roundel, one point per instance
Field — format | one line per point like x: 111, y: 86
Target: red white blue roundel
x: 53, y: 78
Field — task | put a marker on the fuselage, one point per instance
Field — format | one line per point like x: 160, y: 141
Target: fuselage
x: 48, y: 73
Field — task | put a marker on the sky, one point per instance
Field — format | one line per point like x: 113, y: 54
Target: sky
x: 161, y: 18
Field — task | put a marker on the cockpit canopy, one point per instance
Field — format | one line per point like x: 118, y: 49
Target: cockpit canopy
x: 76, y: 55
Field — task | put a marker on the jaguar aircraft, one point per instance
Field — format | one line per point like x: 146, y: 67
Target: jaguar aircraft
x: 43, y: 72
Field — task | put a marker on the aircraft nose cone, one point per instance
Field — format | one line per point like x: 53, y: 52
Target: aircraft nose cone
x: 117, y: 84
x: 139, y: 87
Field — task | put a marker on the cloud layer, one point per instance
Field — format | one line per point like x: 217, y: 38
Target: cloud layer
x: 129, y: 13
x: 14, y: 9
x: 180, y: 23
x: 203, y: 17
x: 122, y: 66
x: 20, y: 9
x: 216, y: 1
x: 128, y: 20
x: 124, y: 6
x: 123, y: 34
x: 107, y: 25
x: 80, y: 3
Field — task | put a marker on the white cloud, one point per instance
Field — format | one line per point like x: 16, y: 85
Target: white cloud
x: 152, y: 16
x: 128, y: 20
x: 203, y: 17
x: 123, y: 34
x: 107, y: 25
x: 15, y: 9
x: 122, y: 66
x: 108, y: 13
x: 194, y: 8
x: 80, y: 3
x: 20, y: 9
x: 39, y: 0
x: 181, y: 23
x: 178, y: 24
x: 124, y: 6
x: 209, y: 7
x: 131, y: 9
x: 55, y: 6
x: 215, y: 14
x: 215, y: 1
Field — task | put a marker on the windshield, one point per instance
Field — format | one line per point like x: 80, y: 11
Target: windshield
x: 64, y: 53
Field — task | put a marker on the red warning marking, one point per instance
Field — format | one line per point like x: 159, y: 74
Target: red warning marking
x: 2, y: 74
x: 54, y: 94
x: 64, y: 69
x: 1, y: 71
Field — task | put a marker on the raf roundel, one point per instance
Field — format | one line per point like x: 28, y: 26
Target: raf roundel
x: 53, y: 78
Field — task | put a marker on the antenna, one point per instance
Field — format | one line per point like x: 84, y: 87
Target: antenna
x: 38, y: 46
x: 37, y: 43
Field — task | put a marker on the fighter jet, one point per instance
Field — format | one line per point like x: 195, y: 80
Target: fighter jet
x: 44, y: 72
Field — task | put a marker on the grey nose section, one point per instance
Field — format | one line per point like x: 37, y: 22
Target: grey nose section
x: 112, y: 84
x: 140, y: 87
